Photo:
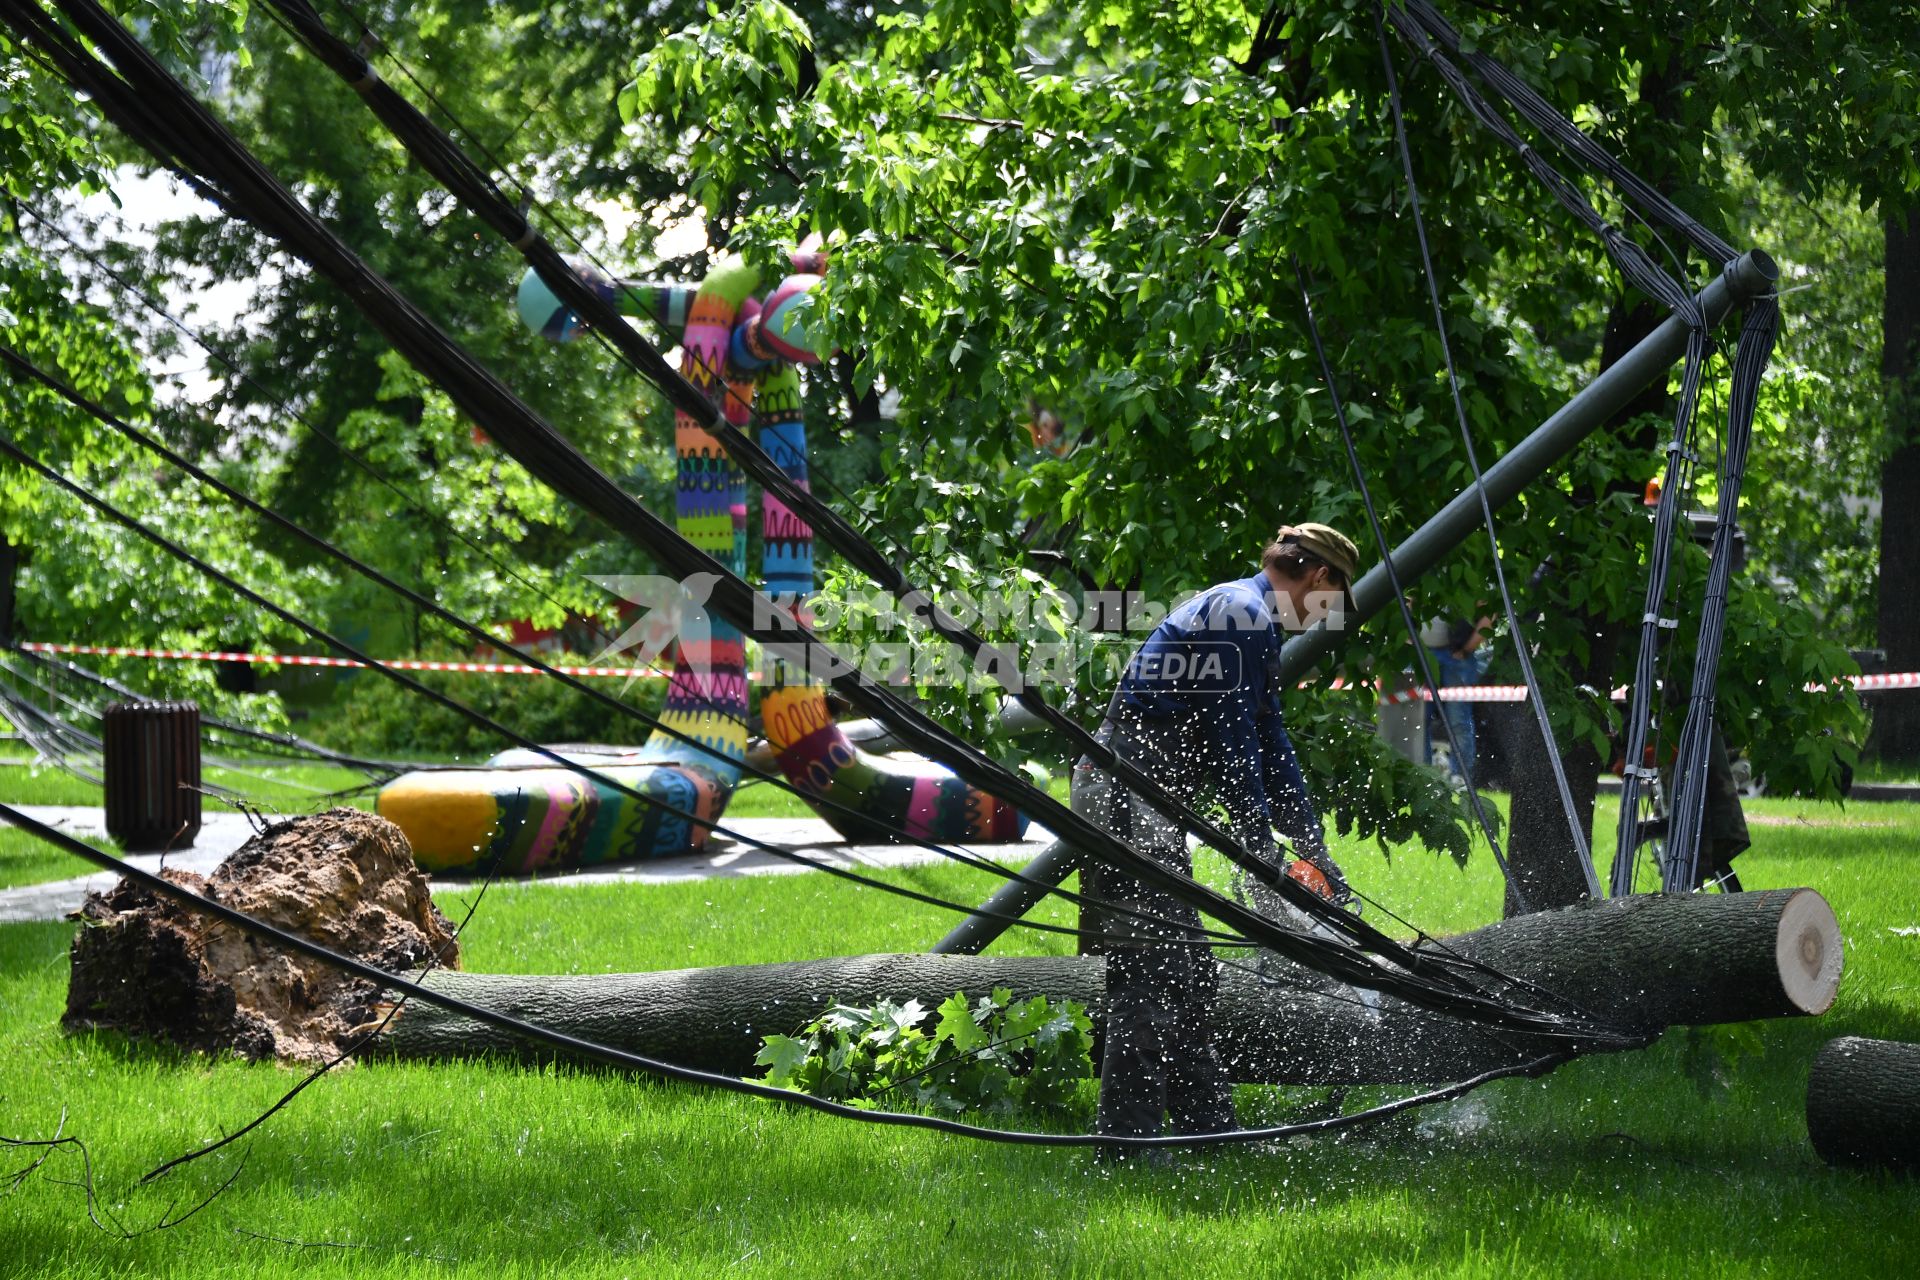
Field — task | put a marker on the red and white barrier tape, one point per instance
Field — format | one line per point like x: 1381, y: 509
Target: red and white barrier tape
x: 1466, y: 693
x: 1452, y: 693
x: 1518, y: 692
x: 315, y: 660
x: 1886, y: 680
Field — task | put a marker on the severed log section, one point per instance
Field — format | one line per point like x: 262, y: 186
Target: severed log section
x: 1637, y: 964
x: 1863, y: 1103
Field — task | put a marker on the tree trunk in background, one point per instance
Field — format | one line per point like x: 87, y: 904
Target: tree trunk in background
x: 1897, y: 718
x: 9, y: 572
x: 1540, y: 847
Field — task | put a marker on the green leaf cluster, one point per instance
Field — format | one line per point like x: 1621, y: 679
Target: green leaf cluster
x: 1095, y: 209
x: 1081, y: 205
x: 994, y: 1055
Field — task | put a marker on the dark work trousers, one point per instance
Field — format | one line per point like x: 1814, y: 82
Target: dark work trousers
x: 1158, y: 1059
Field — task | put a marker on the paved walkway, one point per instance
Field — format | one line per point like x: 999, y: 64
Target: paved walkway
x: 222, y: 832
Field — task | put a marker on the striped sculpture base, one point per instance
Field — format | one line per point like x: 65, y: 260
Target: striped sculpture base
x: 527, y: 815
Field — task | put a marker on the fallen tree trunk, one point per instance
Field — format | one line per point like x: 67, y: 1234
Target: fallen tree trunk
x: 1637, y: 964
x: 1863, y: 1103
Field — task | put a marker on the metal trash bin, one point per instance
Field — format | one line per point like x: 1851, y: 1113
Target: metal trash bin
x: 152, y: 752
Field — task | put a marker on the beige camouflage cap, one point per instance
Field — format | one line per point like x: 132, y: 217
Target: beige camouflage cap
x: 1324, y: 543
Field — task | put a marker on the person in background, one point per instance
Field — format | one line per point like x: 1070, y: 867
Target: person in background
x: 1460, y: 655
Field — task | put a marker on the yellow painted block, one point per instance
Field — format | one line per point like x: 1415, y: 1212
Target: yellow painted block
x: 445, y: 816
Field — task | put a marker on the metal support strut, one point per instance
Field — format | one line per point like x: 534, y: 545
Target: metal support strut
x: 1750, y: 275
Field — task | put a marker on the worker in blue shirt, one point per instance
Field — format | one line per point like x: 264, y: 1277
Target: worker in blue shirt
x: 1198, y: 710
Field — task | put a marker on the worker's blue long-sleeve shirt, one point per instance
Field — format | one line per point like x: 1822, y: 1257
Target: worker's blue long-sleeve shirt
x: 1208, y: 678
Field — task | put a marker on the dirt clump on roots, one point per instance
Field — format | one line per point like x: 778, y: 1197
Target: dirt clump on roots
x: 147, y: 966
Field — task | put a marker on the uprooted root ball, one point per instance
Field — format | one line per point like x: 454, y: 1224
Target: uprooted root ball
x: 149, y: 967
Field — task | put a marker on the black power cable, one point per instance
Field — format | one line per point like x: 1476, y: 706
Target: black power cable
x: 305, y: 421
x: 1646, y: 659
x: 291, y: 744
x: 106, y: 418
x: 141, y: 438
x: 1568, y: 136
x: 1641, y: 271
x: 187, y: 136
x: 1536, y: 694
x: 528, y: 200
x: 1681, y: 867
x: 51, y: 740
x: 474, y: 187
x: 731, y: 1084
x: 1635, y: 263
x: 96, y: 746
x: 1422, y: 659
x: 1422, y: 26
x: 10, y: 449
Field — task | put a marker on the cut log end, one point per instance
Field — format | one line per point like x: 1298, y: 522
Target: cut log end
x: 1808, y: 950
x: 1863, y: 1103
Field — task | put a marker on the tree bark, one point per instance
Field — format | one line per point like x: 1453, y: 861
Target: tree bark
x: 1639, y: 964
x: 1897, y: 718
x: 9, y: 575
x: 1540, y: 849
x: 1863, y: 1103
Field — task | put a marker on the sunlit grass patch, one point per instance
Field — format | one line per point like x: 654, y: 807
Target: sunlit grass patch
x: 273, y: 788
x: 1632, y: 1164
x: 272, y: 785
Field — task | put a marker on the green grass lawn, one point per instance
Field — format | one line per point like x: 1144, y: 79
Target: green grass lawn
x: 1611, y: 1166
x: 26, y: 859
x: 275, y: 788
x: 292, y: 787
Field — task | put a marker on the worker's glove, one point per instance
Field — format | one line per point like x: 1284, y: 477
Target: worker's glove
x: 1332, y: 884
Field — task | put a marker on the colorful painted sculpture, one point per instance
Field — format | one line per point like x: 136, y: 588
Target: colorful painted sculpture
x: 533, y: 815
